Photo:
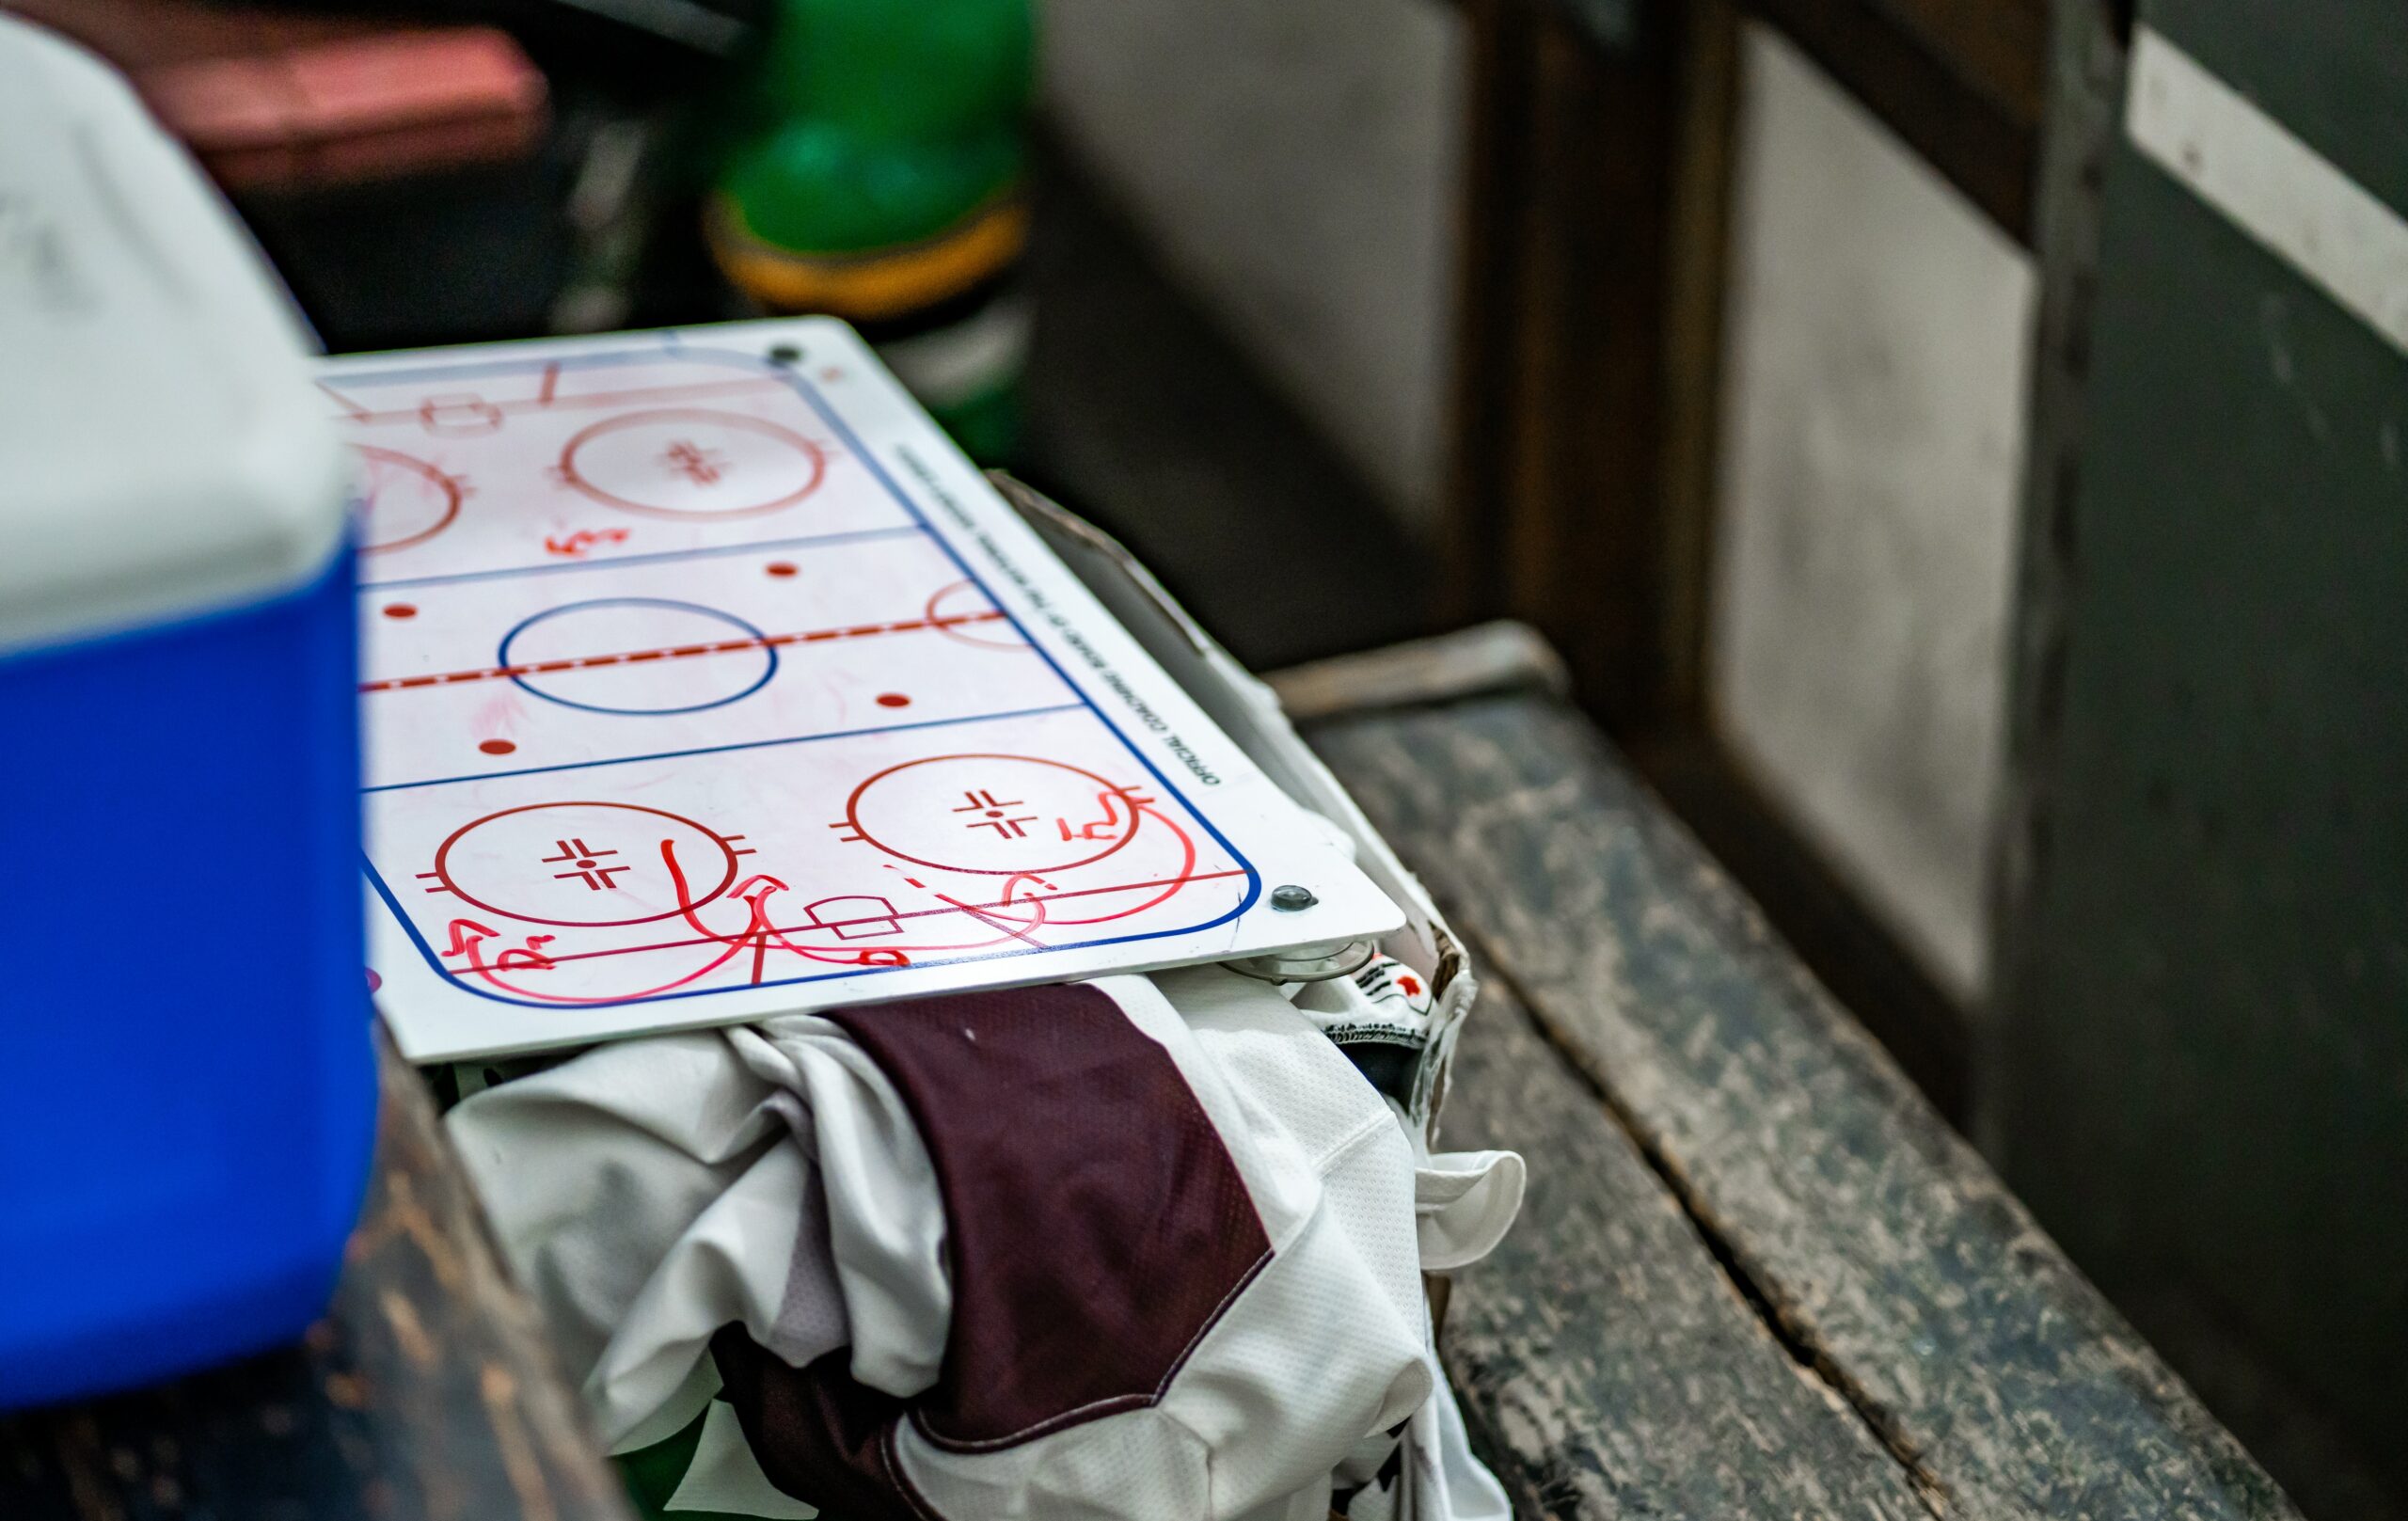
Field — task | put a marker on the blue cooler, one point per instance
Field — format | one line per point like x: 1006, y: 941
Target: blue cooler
x: 187, y: 1087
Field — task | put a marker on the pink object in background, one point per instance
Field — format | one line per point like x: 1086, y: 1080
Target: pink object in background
x: 351, y: 109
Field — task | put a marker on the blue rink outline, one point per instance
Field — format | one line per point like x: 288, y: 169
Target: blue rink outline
x: 768, y: 672
x: 671, y: 345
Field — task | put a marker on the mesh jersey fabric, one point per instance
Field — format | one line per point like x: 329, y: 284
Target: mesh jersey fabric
x: 1135, y: 1248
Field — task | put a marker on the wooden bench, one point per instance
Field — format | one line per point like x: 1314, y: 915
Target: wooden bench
x: 1756, y: 1275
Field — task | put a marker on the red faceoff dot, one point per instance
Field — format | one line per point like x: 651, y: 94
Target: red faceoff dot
x: 400, y: 610
x: 497, y: 747
x: 781, y: 567
x: 893, y: 700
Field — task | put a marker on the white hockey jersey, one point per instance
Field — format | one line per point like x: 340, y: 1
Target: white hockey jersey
x: 1140, y: 1249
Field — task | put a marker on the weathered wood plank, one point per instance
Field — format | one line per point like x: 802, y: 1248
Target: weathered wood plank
x: 425, y: 1392
x: 1893, y: 1258
x: 1604, y: 1360
x: 1503, y: 655
x: 1572, y: 251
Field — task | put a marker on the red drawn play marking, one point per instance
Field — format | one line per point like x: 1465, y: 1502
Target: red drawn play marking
x: 588, y: 864
x: 574, y: 546
x: 1163, y: 887
x: 498, y: 746
x: 675, y: 651
x: 780, y: 567
x: 893, y: 700
x: 400, y: 610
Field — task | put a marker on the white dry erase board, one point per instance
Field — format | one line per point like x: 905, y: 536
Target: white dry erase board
x: 703, y: 680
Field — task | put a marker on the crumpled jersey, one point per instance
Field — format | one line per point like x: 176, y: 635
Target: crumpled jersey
x: 1135, y: 1248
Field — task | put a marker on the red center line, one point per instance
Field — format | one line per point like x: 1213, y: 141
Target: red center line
x: 816, y: 636
x: 565, y: 957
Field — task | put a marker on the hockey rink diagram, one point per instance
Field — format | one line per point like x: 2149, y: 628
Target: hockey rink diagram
x: 671, y: 691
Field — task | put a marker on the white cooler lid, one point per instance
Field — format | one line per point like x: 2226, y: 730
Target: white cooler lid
x: 161, y: 449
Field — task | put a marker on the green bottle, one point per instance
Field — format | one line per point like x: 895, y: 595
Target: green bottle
x: 877, y: 171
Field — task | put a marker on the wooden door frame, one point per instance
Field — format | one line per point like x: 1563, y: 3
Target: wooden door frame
x: 1589, y: 340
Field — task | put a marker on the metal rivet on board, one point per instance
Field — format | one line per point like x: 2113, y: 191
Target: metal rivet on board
x: 1291, y: 898
x: 785, y: 354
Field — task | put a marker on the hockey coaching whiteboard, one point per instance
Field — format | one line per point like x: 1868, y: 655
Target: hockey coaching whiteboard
x: 703, y: 680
